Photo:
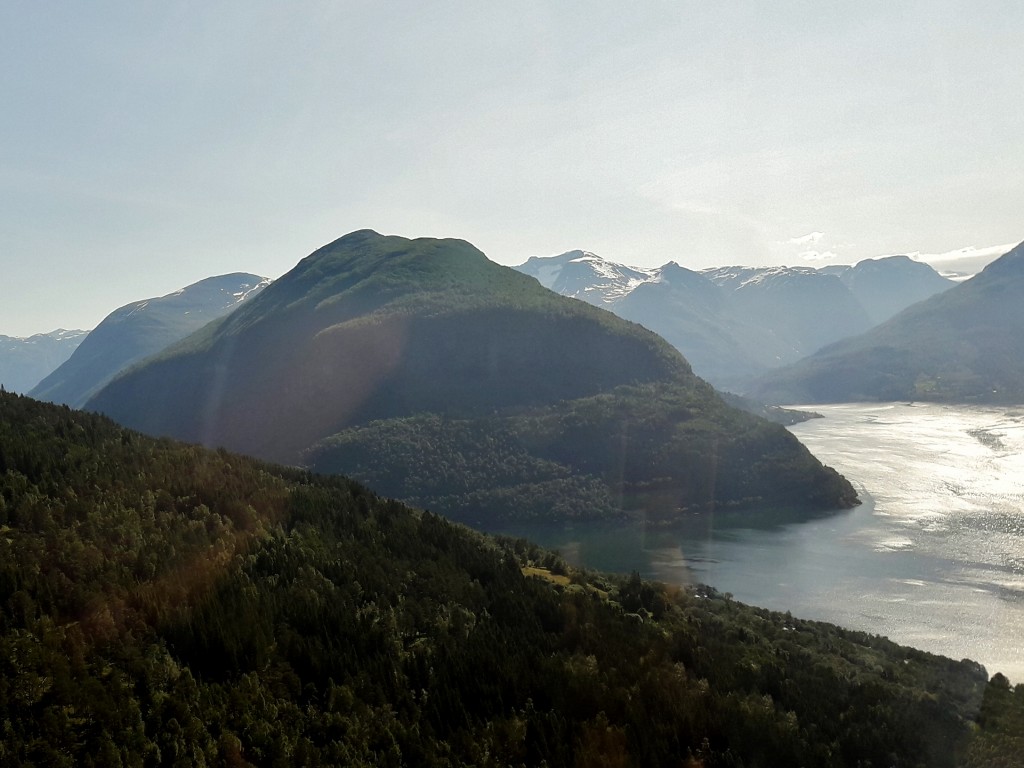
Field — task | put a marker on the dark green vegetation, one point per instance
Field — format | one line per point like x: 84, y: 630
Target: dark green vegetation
x: 655, y: 448
x: 164, y: 604
x: 964, y: 345
x: 1001, y: 741
x: 140, y: 329
x: 441, y: 377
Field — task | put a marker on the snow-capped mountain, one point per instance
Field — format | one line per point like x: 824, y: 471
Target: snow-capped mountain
x: 585, y: 275
x: 24, y: 361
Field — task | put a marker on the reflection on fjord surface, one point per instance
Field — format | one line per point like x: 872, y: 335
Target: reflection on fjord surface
x: 933, y: 558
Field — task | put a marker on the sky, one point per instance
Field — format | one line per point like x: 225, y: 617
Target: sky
x: 148, y: 145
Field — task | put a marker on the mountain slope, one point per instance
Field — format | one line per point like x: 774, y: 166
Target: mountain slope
x: 802, y: 308
x: 687, y: 310
x: 887, y: 286
x: 699, y: 319
x: 372, y: 335
x: 162, y: 604
x: 963, y: 345
x: 140, y: 329
x: 24, y: 362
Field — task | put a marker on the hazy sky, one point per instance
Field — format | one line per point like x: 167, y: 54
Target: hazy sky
x: 147, y: 145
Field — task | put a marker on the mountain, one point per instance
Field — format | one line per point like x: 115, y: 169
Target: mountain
x: 586, y: 276
x: 801, y: 308
x: 963, y: 345
x: 24, y: 362
x: 439, y: 377
x: 162, y: 604
x: 140, y: 329
x: 887, y: 286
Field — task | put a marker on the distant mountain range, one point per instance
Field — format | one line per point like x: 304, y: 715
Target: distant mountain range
x: 963, y: 345
x: 25, y: 361
x: 142, y: 328
x: 439, y: 377
x: 733, y: 323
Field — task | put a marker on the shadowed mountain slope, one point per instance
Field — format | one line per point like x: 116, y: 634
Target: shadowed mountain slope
x: 140, y: 329
x: 693, y: 314
x: 801, y: 308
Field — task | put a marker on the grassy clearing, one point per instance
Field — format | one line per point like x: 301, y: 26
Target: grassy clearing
x: 544, y: 573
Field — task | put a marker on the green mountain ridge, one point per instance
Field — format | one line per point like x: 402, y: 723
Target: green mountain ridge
x: 963, y: 345
x: 165, y: 604
x: 371, y: 329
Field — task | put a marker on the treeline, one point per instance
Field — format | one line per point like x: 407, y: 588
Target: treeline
x: 162, y: 604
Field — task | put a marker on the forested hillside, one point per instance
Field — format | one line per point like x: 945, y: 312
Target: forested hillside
x: 665, y: 450
x: 164, y: 604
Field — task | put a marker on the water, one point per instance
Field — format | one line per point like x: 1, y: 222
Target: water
x: 933, y: 558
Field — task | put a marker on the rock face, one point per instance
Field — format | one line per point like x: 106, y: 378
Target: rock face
x: 24, y: 362
x: 140, y: 329
x: 963, y: 345
x: 380, y: 356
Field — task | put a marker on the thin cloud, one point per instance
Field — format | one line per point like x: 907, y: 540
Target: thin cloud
x: 962, y: 263
x: 969, y: 252
x: 809, y: 239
